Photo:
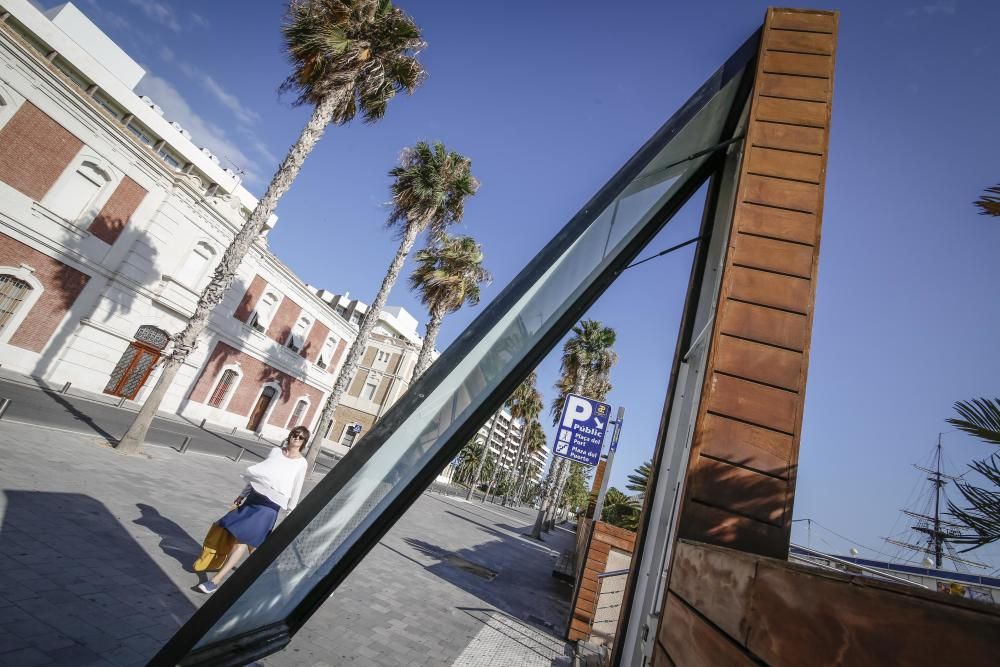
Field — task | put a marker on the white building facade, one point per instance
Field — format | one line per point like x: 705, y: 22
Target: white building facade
x: 112, y: 220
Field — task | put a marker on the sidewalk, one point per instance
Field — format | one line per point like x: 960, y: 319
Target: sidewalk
x: 95, y: 553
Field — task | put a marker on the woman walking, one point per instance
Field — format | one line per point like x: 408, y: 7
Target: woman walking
x: 274, y: 484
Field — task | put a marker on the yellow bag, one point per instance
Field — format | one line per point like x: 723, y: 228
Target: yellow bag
x: 215, y: 549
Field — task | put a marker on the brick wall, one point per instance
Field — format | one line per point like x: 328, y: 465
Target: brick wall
x: 337, y: 354
x: 358, y: 382
x: 256, y: 373
x: 344, y: 416
x: 249, y: 300
x: 314, y: 342
x: 116, y: 213
x: 34, y: 151
x: 284, y: 320
x: 62, y: 286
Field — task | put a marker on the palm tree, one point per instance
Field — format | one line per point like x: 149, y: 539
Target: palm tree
x: 990, y: 202
x: 346, y: 55
x: 429, y: 190
x: 585, y: 369
x: 620, y: 510
x: 525, y: 404
x: 639, y: 479
x: 534, y: 442
x: 980, y: 418
x: 470, y: 459
x: 448, y: 275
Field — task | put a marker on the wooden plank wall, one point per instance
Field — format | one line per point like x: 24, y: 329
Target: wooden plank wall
x: 741, y: 476
x: 604, y: 538
x: 726, y: 607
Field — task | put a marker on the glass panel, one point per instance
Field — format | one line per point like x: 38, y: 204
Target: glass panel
x: 517, y: 323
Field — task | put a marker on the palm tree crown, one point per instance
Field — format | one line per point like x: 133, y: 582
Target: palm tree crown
x: 361, y: 51
x: 586, y: 363
x: 989, y: 203
x: 449, y: 273
x: 430, y: 187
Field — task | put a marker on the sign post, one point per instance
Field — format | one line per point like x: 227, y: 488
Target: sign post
x: 582, y: 427
x: 599, y: 505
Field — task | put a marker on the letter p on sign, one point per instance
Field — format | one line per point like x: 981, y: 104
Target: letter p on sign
x: 577, y: 410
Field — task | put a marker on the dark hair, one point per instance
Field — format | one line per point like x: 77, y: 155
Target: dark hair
x: 298, y: 430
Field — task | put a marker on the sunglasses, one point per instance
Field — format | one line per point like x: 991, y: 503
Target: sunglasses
x: 297, y: 436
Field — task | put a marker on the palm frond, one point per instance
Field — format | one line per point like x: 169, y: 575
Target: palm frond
x: 979, y: 417
x: 989, y: 203
x: 982, y: 518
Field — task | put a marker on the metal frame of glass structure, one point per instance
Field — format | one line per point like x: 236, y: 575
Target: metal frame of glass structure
x: 272, y: 595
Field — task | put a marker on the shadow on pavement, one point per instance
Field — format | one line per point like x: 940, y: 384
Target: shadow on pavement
x: 173, y: 540
x: 76, y: 587
x: 500, y: 631
x: 80, y: 416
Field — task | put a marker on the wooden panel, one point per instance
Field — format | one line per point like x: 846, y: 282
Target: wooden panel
x: 779, y: 62
x: 752, y: 446
x: 755, y: 403
x: 785, y: 19
x: 759, y: 362
x: 796, y: 112
x: 716, y: 584
x: 778, y: 192
x: 845, y: 622
x: 739, y: 490
x: 716, y: 526
x: 771, y: 289
x: 795, y: 87
x: 789, y: 225
x: 800, y: 42
x: 660, y: 657
x: 691, y: 642
x: 786, y: 164
x: 765, y: 325
x: 772, y: 255
x: 789, y: 137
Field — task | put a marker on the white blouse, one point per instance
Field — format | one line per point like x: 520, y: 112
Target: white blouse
x: 279, y: 478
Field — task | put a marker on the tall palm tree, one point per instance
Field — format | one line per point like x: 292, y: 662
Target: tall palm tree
x: 620, y: 510
x: 469, y: 460
x: 448, y: 275
x: 585, y: 369
x: 346, y: 55
x: 512, y: 403
x: 534, y: 442
x: 525, y: 404
x: 429, y: 190
x: 990, y: 202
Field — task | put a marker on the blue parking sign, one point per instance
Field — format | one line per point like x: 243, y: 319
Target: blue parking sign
x: 582, y: 425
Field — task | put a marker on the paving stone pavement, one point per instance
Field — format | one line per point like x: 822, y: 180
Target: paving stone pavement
x: 96, y: 547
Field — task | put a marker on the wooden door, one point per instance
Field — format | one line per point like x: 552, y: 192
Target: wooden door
x: 260, y: 409
x: 132, y: 370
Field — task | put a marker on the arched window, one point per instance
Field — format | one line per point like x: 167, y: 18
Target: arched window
x: 76, y: 197
x: 261, y: 317
x: 298, y: 413
x: 326, y: 354
x: 198, y: 266
x: 298, y: 336
x: 13, y: 294
x: 222, y: 390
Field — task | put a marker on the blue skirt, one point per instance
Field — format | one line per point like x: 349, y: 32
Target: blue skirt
x: 251, y: 522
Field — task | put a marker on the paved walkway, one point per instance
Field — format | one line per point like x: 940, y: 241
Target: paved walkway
x: 95, y: 553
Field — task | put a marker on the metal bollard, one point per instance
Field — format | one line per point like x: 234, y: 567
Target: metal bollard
x: 202, y: 427
x: 187, y: 443
x: 234, y: 430
x: 4, y: 404
x: 121, y: 401
x: 65, y: 388
x: 239, y: 457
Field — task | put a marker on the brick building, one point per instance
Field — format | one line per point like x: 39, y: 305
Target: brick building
x: 111, y: 222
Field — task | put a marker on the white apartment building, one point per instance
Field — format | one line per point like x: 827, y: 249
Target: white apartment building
x: 112, y: 220
x: 505, y: 442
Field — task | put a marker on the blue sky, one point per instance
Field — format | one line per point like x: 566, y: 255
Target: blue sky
x: 550, y: 98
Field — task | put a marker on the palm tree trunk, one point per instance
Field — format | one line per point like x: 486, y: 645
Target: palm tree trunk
x: 368, y: 323
x: 517, y: 463
x: 427, y: 348
x: 486, y: 453
x: 187, y: 340
x: 553, y: 508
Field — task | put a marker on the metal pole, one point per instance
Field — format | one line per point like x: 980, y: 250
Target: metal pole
x: 65, y: 388
x: 121, y: 401
x: 187, y: 443
x: 239, y: 457
x: 607, y: 466
x: 4, y: 404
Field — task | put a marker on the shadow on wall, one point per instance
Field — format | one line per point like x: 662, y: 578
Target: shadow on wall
x: 142, y: 251
x: 84, y: 587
